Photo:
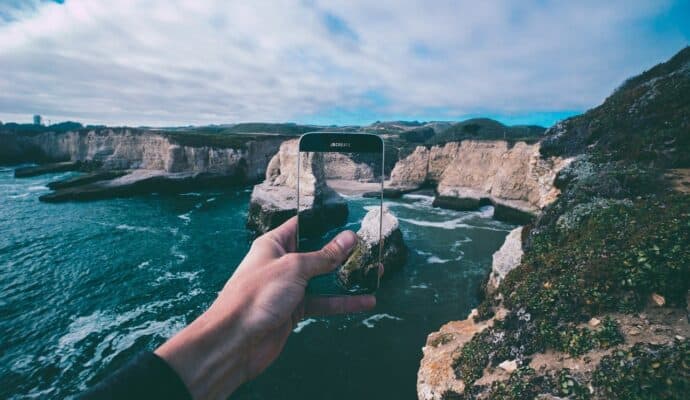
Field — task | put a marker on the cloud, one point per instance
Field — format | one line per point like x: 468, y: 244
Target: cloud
x: 176, y: 62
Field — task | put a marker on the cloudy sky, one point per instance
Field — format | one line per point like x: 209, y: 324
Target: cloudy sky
x: 177, y: 62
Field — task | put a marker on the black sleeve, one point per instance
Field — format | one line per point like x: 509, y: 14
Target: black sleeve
x: 146, y: 376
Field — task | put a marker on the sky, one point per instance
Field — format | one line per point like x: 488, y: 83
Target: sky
x: 177, y: 62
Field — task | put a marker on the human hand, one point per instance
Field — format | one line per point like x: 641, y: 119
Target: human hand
x: 245, y: 329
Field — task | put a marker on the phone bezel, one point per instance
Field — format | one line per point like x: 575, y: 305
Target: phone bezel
x: 341, y: 142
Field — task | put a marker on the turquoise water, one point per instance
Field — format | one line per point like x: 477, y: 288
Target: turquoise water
x: 85, y: 286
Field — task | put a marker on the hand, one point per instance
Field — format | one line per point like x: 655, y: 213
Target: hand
x: 245, y: 329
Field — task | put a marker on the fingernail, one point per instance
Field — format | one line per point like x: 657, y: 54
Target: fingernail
x: 346, y: 240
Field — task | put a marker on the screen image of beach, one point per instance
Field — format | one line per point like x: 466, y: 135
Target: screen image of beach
x: 342, y: 191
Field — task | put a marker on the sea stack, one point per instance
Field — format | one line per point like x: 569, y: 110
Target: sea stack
x: 363, y: 262
x: 275, y: 200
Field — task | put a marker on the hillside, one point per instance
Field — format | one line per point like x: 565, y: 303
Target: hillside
x: 596, y: 307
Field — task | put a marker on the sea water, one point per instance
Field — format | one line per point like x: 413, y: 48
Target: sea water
x: 86, y: 285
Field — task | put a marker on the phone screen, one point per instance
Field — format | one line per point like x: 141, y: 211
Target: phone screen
x: 339, y: 189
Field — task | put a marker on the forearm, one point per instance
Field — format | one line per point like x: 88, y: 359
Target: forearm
x: 209, y: 355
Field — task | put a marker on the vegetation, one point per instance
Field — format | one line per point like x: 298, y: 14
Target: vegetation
x: 616, y: 235
x: 645, y: 120
x: 488, y: 129
x: 646, y: 371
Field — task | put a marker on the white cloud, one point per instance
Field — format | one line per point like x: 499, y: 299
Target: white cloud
x: 178, y: 62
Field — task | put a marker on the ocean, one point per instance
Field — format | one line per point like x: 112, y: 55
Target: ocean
x: 87, y: 285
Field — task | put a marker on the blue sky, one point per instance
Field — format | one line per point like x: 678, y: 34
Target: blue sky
x: 175, y: 62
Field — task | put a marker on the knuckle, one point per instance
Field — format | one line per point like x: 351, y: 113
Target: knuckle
x: 260, y: 241
x: 331, y: 253
x: 292, y: 259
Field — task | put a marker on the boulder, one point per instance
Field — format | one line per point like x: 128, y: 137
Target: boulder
x: 361, y: 268
x: 275, y: 199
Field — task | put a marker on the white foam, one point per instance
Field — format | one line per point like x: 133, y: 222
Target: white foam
x: 423, y: 198
x: 210, y: 200
x: 37, y: 188
x: 450, y: 224
x: 175, y: 252
x: 185, y: 217
x: 195, y: 194
x: 144, y: 264
x: 186, y: 275
x: 370, y: 322
x: 486, y: 211
x: 420, y: 286
x: 436, y: 260
x: 125, y: 227
x: 303, y: 324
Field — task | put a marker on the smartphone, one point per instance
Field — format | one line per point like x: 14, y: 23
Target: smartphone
x: 340, y: 186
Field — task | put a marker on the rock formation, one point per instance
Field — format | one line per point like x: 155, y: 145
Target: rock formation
x: 275, y: 200
x: 361, y: 268
x: 597, y: 307
x: 154, y: 161
x: 471, y: 173
x: 505, y: 259
x: 340, y: 166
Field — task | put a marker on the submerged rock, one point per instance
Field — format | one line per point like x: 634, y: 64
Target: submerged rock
x: 275, y: 200
x: 137, y: 182
x: 362, y: 267
x: 65, y: 166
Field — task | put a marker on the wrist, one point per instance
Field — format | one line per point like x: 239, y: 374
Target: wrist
x: 209, y: 355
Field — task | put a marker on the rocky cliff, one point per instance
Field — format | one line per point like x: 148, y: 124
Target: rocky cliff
x: 471, y: 173
x: 150, y: 158
x: 275, y: 199
x: 591, y: 300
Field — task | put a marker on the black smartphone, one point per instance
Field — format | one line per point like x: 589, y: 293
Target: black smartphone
x: 340, y: 186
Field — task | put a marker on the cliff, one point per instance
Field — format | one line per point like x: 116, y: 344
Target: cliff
x: 153, y: 161
x: 275, y: 199
x: 596, y: 306
x: 515, y: 178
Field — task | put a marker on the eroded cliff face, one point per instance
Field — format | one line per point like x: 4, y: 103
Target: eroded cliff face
x: 124, y: 161
x: 512, y: 176
x: 275, y: 199
x: 122, y: 149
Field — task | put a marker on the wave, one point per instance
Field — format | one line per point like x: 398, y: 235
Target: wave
x: 180, y: 256
x: 37, y: 188
x: 371, y: 321
x: 117, y: 343
x: 303, y: 324
x: 420, y: 286
x: 486, y: 211
x: 436, y: 260
x: 194, y: 194
x: 125, y: 227
x: 451, y: 224
x: 186, y: 275
x: 186, y: 217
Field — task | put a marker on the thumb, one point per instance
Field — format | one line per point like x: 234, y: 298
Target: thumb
x: 324, y: 260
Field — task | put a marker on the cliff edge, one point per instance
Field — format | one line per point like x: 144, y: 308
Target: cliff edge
x: 596, y: 307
